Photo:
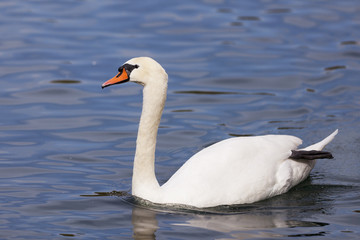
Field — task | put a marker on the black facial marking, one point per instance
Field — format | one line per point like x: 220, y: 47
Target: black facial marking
x: 128, y: 68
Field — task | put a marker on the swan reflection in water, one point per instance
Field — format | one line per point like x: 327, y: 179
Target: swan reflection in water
x: 268, y: 219
x: 287, y: 215
x: 239, y: 226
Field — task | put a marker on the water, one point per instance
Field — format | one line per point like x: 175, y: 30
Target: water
x: 235, y: 67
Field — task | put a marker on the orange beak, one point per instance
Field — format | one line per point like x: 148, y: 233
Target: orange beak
x: 121, y: 77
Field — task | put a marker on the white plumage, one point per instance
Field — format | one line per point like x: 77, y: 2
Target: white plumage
x: 234, y: 171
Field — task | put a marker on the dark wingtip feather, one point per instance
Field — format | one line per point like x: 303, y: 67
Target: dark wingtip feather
x: 309, y: 155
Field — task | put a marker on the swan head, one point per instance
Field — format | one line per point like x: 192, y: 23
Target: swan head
x: 141, y: 70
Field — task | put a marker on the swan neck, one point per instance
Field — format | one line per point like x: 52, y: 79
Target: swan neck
x: 144, y: 181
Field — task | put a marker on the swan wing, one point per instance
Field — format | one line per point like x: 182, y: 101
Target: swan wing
x: 233, y: 171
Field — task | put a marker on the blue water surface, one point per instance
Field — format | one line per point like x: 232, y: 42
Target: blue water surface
x: 236, y: 68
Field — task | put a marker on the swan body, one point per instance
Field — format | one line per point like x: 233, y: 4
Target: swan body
x: 233, y: 171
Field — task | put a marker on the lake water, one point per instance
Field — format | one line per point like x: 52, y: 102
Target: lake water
x: 235, y: 68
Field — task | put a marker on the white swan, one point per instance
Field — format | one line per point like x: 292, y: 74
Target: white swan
x: 234, y: 171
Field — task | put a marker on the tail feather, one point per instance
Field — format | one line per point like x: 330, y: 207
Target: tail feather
x: 314, y: 151
x: 320, y: 145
